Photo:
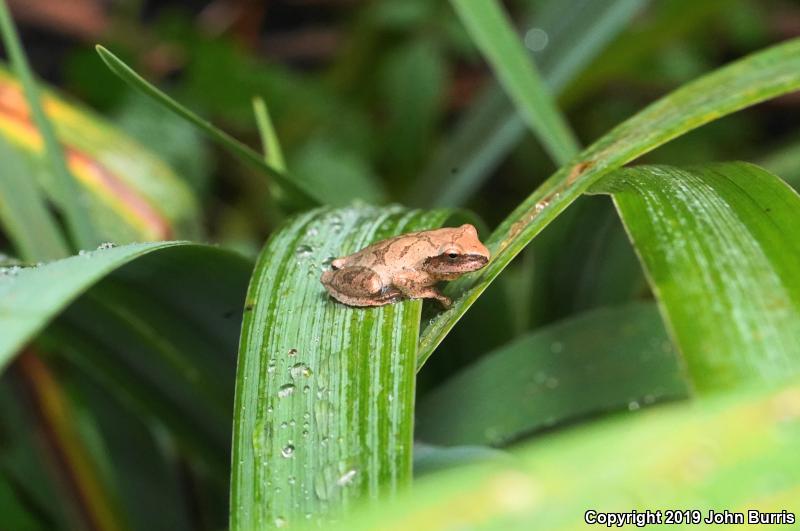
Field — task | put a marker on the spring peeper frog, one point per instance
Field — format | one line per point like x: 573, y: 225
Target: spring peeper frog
x: 407, y: 266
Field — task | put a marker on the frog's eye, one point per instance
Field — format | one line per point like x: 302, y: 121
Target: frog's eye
x: 452, y: 256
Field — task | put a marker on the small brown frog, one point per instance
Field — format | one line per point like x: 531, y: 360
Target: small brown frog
x: 407, y: 266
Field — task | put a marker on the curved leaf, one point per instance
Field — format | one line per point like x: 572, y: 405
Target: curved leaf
x: 746, y: 82
x: 718, y: 244
x: 133, y: 194
x: 735, y: 451
x: 607, y: 359
x: 325, y: 392
x: 30, y: 297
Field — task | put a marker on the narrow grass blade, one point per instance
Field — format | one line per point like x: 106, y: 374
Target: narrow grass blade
x: 755, y: 78
x: 237, y: 148
x: 494, y: 34
x: 605, y: 360
x: 717, y: 242
x: 273, y: 154
x: 325, y: 392
x: 738, y: 448
x: 24, y: 214
x: 76, y: 216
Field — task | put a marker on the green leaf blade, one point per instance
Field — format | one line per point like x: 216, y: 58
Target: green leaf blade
x: 491, y: 127
x: 270, y: 144
x: 737, y: 449
x: 755, y: 78
x: 603, y: 360
x: 717, y: 244
x: 493, y: 33
x: 324, y: 401
x: 128, y: 75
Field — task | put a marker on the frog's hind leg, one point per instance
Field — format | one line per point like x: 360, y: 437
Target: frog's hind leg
x: 358, y: 286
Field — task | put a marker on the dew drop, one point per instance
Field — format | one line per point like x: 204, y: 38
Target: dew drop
x: 633, y: 405
x: 288, y: 451
x: 106, y: 245
x: 536, y: 39
x: 286, y: 390
x: 299, y: 370
x: 292, y: 352
x: 280, y: 521
x: 304, y: 251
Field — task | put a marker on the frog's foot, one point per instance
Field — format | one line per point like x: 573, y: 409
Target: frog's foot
x: 413, y: 289
x: 433, y: 293
x: 358, y: 286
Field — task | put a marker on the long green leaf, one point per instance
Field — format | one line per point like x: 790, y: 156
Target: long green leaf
x: 736, y: 452
x: 162, y: 338
x: 603, y: 360
x: 31, y: 297
x: 325, y: 392
x: 24, y: 214
x: 718, y: 244
x: 493, y: 33
x: 297, y: 189
x: 76, y: 216
x: 758, y: 77
x: 577, y: 31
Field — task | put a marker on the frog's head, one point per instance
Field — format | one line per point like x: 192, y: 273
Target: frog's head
x: 460, y: 252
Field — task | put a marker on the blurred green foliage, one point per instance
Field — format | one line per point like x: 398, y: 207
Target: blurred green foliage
x: 365, y: 98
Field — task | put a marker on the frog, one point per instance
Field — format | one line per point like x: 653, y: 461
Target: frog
x: 408, y: 266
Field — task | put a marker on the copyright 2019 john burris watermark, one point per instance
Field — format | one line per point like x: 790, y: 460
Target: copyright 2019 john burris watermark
x: 688, y: 516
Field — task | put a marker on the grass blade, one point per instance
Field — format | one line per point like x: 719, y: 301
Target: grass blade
x: 76, y: 216
x: 738, y: 446
x: 273, y: 154
x: 237, y: 148
x: 600, y: 361
x: 718, y: 246
x: 24, y: 214
x: 494, y: 34
x: 325, y: 392
x: 755, y: 78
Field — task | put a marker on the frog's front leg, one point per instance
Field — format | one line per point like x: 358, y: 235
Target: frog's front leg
x: 413, y: 286
x: 358, y: 286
